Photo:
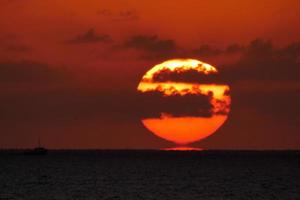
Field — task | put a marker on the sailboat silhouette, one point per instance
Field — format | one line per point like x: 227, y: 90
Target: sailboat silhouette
x: 39, y: 150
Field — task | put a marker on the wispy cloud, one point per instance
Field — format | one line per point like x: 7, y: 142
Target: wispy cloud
x: 122, y: 15
x: 89, y: 37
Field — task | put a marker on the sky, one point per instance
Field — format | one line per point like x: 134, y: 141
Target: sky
x: 69, y: 69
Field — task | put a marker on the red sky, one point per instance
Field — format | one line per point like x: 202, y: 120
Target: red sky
x: 69, y: 69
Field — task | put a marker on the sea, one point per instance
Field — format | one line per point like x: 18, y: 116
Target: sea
x: 150, y: 174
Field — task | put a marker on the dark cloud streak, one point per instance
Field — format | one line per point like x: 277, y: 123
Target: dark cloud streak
x: 27, y: 71
x: 261, y: 61
x: 89, y: 37
x: 152, y: 46
x: 119, y: 16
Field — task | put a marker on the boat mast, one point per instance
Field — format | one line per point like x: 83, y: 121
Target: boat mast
x: 39, y: 142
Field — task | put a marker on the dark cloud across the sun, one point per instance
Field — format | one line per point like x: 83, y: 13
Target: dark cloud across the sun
x: 154, y: 103
x: 187, y: 76
x: 34, y: 92
x: 260, y: 62
x: 37, y: 92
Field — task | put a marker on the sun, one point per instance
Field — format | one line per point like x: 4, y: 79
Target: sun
x: 186, y: 101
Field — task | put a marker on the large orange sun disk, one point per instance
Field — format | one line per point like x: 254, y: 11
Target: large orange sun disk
x: 186, y: 129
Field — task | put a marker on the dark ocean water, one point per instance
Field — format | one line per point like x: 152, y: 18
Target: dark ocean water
x: 142, y: 175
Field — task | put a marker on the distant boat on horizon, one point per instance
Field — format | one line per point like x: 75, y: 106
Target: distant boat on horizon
x: 39, y: 150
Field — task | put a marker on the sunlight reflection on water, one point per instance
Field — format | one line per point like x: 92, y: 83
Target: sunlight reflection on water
x: 183, y: 149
